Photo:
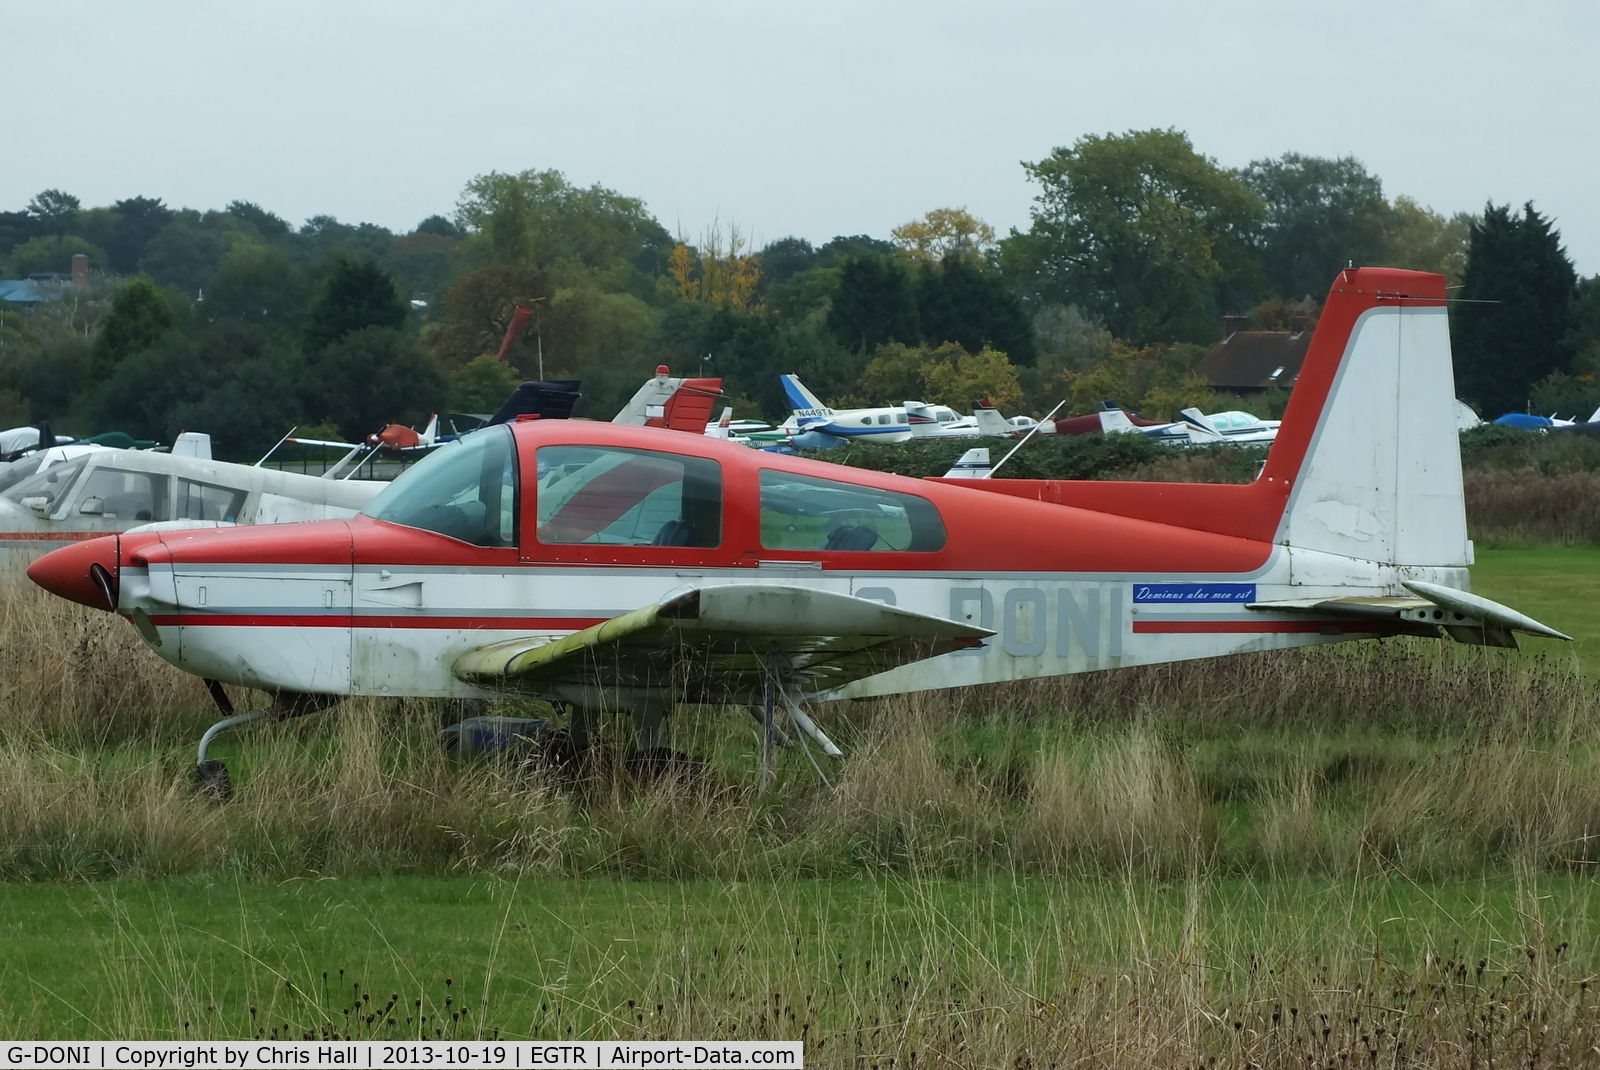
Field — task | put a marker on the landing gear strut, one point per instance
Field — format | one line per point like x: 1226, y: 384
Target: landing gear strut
x: 210, y: 773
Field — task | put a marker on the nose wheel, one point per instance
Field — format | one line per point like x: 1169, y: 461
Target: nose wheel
x: 211, y: 775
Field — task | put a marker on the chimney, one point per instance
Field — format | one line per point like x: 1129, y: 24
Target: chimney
x: 1232, y: 321
x: 80, y: 269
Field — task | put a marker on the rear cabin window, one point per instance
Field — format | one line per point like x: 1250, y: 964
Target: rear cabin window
x: 204, y: 501
x: 601, y: 496
x: 807, y: 513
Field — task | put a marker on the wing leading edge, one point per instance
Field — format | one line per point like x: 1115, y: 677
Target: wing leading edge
x: 712, y: 644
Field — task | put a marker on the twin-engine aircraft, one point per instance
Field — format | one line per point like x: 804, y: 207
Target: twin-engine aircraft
x: 619, y: 567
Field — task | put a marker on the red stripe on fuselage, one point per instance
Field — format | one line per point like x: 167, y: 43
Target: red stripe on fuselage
x: 363, y: 621
x: 1170, y: 627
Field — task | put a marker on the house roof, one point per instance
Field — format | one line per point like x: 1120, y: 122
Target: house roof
x: 23, y: 291
x: 1255, y: 360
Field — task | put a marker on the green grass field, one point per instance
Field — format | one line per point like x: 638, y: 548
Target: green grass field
x: 190, y: 958
x: 1559, y: 587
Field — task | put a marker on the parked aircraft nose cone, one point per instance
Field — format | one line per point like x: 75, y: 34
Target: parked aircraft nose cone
x: 84, y: 572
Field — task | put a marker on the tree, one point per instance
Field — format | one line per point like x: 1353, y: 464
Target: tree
x: 874, y: 303
x: 957, y: 378
x: 1511, y: 329
x: 482, y: 385
x: 357, y: 295
x: 1140, y: 231
x: 373, y: 376
x: 187, y: 251
x: 783, y: 259
x: 140, y: 316
x: 717, y: 274
x: 52, y: 253
x: 475, y: 312
x: 256, y: 284
x: 964, y: 300
x: 1423, y: 240
x: 893, y: 374
x: 55, y: 211
x: 441, y: 227
x: 944, y: 232
x: 425, y: 262
x: 267, y: 224
x: 943, y: 375
x: 1322, y: 215
x: 538, y: 219
x: 16, y: 228
x: 137, y: 220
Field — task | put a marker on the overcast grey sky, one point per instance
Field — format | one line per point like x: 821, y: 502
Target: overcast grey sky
x: 814, y: 118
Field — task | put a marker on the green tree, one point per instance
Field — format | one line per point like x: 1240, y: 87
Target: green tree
x: 875, y: 303
x: 1423, y: 240
x: 482, y: 385
x: 472, y: 318
x: 187, y: 251
x: 425, y: 263
x: 1322, y: 215
x: 539, y: 220
x: 137, y: 220
x: 964, y: 300
x: 356, y: 295
x: 52, y: 253
x: 893, y: 375
x: 55, y: 210
x: 374, y: 376
x: 140, y: 315
x: 1142, y: 232
x: 270, y: 226
x: 256, y: 284
x: 1511, y: 330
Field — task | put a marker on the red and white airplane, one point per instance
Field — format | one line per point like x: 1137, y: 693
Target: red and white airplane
x: 622, y: 567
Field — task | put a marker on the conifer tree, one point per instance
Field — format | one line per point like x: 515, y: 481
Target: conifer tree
x: 1510, y: 329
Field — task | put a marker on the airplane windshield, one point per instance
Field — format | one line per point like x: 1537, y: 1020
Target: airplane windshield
x: 43, y: 491
x: 465, y: 489
x: 806, y: 513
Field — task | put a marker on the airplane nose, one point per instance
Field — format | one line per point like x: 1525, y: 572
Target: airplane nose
x: 84, y: 572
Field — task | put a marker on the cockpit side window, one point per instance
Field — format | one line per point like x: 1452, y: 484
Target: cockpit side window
x: 619, y: 497
x: 115, y: 494
x: 806, y: 513
x: 465, y: 489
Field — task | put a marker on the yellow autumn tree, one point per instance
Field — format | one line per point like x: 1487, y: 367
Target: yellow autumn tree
x: 942, y: 375
x: 941, y: 232
x: 957, y: 378
x: 723, y: 273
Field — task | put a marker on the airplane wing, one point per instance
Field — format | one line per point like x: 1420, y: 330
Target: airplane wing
x: 711, y: 644
x: 323, y: 442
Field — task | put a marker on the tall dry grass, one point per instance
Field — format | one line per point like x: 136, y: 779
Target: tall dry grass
x: 1523, y: 506
x: 1396, y: 757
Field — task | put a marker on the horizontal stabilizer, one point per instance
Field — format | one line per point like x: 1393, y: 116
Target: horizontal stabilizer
x: 1468, y: 618
x: 1472, y: 605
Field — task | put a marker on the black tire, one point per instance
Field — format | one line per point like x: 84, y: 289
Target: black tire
x: 214, y: 783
